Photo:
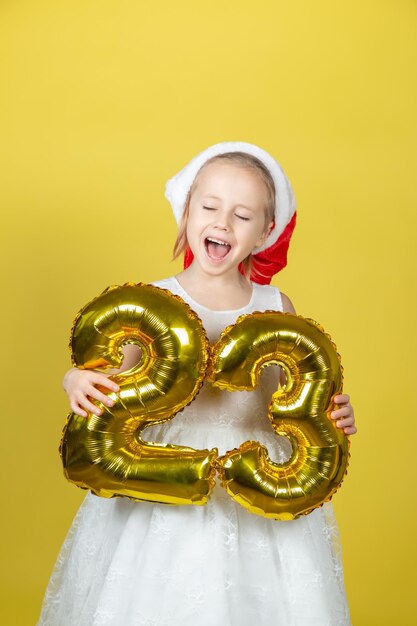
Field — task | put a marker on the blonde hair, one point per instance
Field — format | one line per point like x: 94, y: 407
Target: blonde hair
x: 244, y: 160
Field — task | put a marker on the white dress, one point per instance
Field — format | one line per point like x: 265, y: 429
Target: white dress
x: 127, y: 563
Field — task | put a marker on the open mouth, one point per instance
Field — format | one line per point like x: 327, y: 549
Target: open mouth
x: 216, y: 248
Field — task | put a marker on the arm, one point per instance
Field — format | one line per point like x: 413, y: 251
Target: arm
x: 81, y: 385
x: 344, y: 414
x: 287, y: 305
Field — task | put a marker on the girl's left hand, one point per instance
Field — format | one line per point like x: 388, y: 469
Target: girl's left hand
x: 344, y: 415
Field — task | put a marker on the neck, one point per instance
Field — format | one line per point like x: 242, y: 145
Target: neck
x: 194, y: 275
x: 219, y: 293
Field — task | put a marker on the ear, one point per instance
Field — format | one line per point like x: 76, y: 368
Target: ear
x: 265, y: 234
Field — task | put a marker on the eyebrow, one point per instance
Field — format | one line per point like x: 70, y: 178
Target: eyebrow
x: 242, y: 206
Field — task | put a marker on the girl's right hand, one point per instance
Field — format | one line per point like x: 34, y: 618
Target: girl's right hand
x: 81, y: 387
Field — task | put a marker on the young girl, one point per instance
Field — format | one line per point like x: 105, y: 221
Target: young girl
x: 127, y: 563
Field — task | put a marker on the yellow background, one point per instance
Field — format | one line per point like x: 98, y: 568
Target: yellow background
x: 101, y: 103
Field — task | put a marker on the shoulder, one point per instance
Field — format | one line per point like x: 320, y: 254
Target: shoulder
x: 270, y: 297
x: 169, y: 284
x: 164, y: 283
x: 287, y: 305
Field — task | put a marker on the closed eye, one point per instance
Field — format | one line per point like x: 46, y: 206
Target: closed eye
x: 245, y: 219
x: 209, y: 208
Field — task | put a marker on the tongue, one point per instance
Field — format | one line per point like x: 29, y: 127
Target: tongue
x: 217, y: 250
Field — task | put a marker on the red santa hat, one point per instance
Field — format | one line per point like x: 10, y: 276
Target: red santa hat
x: 270, y: 257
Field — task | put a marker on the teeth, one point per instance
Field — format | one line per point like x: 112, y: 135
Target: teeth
x: 223, y: 243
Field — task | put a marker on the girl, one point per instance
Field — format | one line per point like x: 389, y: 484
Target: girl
x: 128, y: 563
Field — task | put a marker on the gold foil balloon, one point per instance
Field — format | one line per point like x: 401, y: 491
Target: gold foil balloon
x: 298, y: 411
x: 107, y: 453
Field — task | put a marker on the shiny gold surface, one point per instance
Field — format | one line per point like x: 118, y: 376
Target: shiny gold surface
x: 107, y: 453
x: 299, y: 411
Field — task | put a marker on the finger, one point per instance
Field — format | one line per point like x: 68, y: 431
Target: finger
x: 351, y: 430
x: 93, y: 392
x: 349, y: 421
x: 104, y: 381
x: 345, y: 411
x: 77, y: 410
x: 89, y: 406
x: 341, y: 398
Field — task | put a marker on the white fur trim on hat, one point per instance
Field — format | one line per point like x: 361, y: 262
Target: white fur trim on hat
x: 177, y: 187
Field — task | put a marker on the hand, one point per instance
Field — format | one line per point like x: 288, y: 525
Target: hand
x: 345, y: 412
x: 80, y: 387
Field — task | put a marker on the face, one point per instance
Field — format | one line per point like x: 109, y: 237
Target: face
x: 226, y: 218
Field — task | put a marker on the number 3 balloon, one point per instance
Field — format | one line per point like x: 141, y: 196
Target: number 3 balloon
x: 299, y: 412
x: 107, y: 454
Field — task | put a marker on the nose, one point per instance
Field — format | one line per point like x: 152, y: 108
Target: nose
x: 222, y: 220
